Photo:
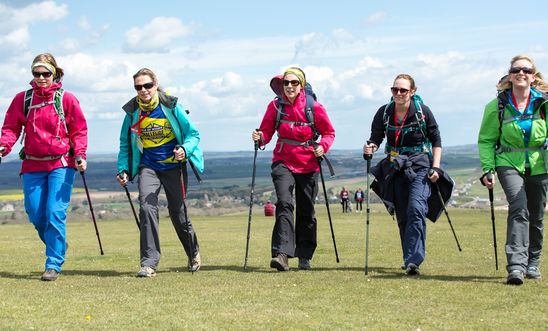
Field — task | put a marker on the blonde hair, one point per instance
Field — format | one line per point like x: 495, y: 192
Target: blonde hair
x: 409, y: 78
x: 49, y: 59
x: 539, y: 83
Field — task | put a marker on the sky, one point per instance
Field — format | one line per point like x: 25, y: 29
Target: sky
x: 218, y: 58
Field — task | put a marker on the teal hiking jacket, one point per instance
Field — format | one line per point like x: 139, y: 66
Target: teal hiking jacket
x: 129, y: 156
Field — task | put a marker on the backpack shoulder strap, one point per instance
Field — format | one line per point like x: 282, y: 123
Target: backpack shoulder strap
x: 58, y: 105
x: 309, y: 112
x: 279, y: 112
x: 27, y: 101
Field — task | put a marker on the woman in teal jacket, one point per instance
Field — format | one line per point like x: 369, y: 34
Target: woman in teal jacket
x: 156, y: 141
x: 512, y: 142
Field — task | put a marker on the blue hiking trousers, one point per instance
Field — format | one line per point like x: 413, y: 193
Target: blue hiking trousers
x: 47, y: 197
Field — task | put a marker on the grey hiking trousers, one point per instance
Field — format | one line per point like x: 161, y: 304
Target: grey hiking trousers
x: 150, y: 182
x: 526, y: 196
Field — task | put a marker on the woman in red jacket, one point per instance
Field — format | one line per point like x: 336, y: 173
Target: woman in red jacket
x: 55, y: 134
x: 294, y: 166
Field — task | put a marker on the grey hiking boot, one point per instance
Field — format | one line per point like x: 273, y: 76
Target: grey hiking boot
x: 515, y: 277
x: 195, y: 263
x: 146, y: 272
x: 533, y: 273
x: 280, y: 262
x: 304, y: 264
x: 412, y: 270
x: 50, y: 275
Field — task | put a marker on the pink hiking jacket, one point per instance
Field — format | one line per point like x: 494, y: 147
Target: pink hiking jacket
x: 298, y: 159
x: 45, y: 134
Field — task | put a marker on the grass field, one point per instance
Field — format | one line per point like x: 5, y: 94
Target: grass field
x: 457, y: 290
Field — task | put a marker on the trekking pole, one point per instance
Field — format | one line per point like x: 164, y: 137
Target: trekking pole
x: 368, y: 158
x: 1, y: 151
x: 131, y: 204
x: 327, y: 206
x: 189, y: 236
x: 445, y: 211
x: 256, y: 147
x: 79, y: 161
x: 490, y: 180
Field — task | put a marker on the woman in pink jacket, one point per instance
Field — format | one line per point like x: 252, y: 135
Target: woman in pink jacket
x: 294, y: 166
x: 55, y: 133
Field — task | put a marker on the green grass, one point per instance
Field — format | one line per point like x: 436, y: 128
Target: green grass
x: 457, y: 290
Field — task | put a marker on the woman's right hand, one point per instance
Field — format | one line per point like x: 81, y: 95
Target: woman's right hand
x: 256, y: 135
x: 489, y: 182
x: 2, y: 149
x: 369, y: 149
x: 122, y: 179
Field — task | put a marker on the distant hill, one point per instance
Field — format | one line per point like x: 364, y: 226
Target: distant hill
x: 228, y: 169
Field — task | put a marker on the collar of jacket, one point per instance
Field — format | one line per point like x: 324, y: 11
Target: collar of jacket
x: 168, y: 101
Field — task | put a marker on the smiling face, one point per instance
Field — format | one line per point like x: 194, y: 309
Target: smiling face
x: 42, y: 76
x: 402, y: 92
x: 145, y: 87
x: 522, y: 74
x: 292, y: 87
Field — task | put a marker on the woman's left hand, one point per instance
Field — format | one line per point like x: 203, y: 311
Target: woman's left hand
x: 433, y: 176
x: 318, y: 151
x: 180, y: 154
x: 82, y: 165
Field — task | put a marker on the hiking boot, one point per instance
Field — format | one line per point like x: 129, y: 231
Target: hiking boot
x: 304, y: 264
x: 412, y: 270
x: 50, y: 275
x: 195, y: 263
x: 146, y: 272
x: 533, y: 273
x: 515, y: 277
x: 280, y: 262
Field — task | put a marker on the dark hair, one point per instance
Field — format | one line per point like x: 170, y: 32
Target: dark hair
x: 48, y: 58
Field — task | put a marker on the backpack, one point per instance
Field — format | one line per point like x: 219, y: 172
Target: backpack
x: 57, y: 104
x: 419, y: 125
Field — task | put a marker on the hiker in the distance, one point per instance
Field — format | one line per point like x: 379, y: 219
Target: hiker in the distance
x: 55, y: 134
x: 344, y: 195
x: 294, y: 167
x: 413, y: 154
x: 512, y: 142
x: 157, y: 140
x: 358, y: 198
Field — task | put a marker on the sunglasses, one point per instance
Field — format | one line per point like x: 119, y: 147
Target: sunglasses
x: 37, y: 74
x: 147, y: 86
x: 395, y: 90
x: 516, y: 70
x: 294, y: 82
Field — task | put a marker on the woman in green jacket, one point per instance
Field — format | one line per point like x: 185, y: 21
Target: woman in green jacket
x: 156, y: 141
x: 512, y: 142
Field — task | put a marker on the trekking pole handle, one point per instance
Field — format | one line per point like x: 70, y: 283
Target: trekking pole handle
x: 367, y: 156
x: 489, y: 177
x: 79, y: 161
x: 2, y: 149
x: 256, y: 142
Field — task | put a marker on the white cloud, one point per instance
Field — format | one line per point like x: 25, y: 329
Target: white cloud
x: 156, y: 35
x: 376, y: 18
x: 14, y: 23
x: 84, y: 23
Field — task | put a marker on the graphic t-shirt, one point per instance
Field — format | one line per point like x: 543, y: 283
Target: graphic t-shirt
x: 158, y: 141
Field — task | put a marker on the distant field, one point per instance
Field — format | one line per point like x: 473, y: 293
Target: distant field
x: 457, y: 291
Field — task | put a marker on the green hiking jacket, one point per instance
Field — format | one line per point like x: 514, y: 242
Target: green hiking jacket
x: 511, y: 136
x: 129, y: 156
